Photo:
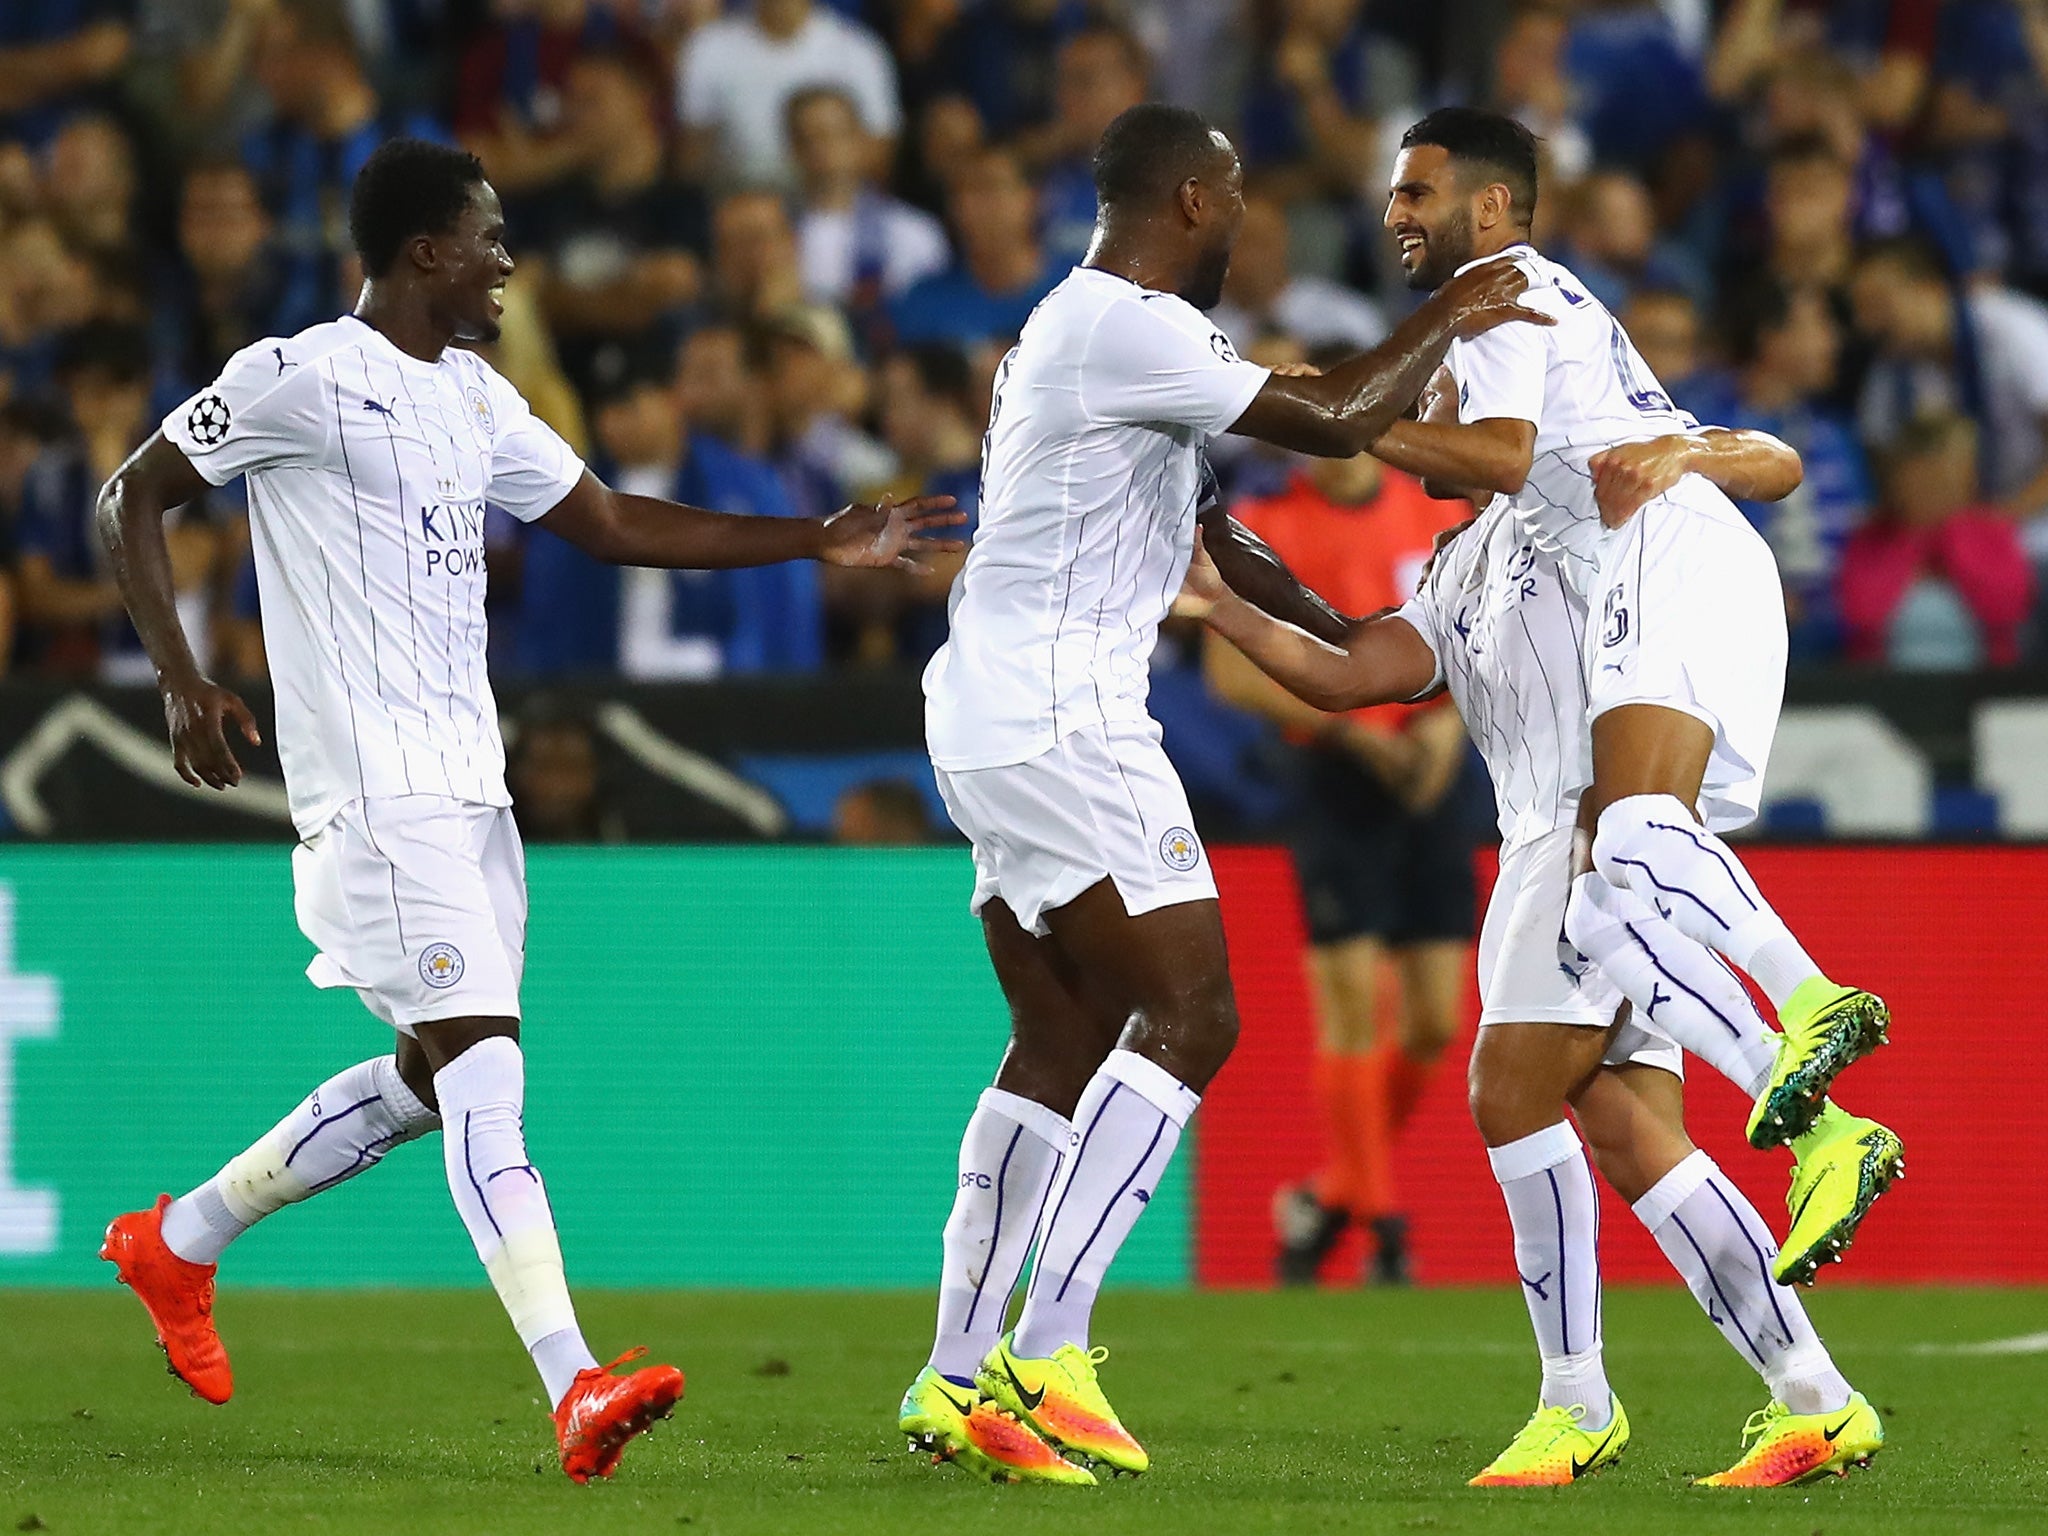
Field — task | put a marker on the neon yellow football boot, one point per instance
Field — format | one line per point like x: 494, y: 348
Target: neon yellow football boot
x: 1798, y: 1447
x: 1060, y: 1399
x: 956, y: 1424
x: 1826, y: 1028
x: 1843, y: 1164
x: 1551, y: 1449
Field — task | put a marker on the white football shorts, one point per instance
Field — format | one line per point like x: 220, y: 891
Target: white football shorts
x: 419, y: 903
x: 1687, y: 612
x: 1522, y: 977
x: 1103, y: 802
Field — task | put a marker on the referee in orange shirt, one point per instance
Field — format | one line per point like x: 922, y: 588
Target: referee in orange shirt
x: 1383, y: 847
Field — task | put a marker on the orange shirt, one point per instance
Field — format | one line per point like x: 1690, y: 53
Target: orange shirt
x: 1361, y: 557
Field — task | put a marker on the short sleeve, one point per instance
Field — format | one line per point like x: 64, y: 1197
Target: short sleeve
x: 262, y: 412
x: 532, y: 468
x: 1501, y: 373
x: 1420, y: 614
x: 1143, y: 364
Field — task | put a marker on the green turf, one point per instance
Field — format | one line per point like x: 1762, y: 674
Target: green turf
x: 404, y: 1412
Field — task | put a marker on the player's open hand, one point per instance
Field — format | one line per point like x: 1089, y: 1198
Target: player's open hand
x: 891, y: 533
x: 1484, y: 296
x: 1627, y: 477
x: 1202, y: 588
x: 198, y: 713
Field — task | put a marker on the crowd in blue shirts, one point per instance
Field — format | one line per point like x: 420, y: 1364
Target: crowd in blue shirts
x: 771, y: 253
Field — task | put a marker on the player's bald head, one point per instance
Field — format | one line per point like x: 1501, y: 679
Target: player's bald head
x: 1151, y: 151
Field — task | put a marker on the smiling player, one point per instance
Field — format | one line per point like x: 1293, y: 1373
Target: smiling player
x: 372, y: 447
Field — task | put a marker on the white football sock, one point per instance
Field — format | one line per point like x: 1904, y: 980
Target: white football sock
x: 1674, y: 982
x: 505, y: 1206
x: 1127, y: 1124
x: 1650, y: 844
x: 1555, y: 1214
x: 1008, y: 1157
x: 343, y: 1128
x: 1717, y: 1242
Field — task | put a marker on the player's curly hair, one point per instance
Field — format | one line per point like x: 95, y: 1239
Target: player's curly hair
x: 407, y: 187
x: 1490, y: 142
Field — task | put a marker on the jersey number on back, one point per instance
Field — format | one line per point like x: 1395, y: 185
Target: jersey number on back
x: 1644, y: 397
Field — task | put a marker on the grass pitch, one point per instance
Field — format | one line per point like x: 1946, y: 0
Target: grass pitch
x: 415, y: 1412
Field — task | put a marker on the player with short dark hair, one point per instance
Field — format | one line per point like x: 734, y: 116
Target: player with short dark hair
x: 1094, y: 892
x: 372, y: 445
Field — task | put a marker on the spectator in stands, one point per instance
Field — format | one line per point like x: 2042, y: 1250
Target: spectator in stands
x: 1384, y: 851
x: 71, y: 609
x: 1784, y: 345
x: 1810, y: 214
x: 1316, y: 99
x: 1263, y: 293
x: 857, y: 245
x: 881, y: 813
x: 326, y: 119
x: 1981, y: 351
x: 1936, y: 580
x: 89, y: 189
x: 932, y: 422
x: 1611, y: 242
x: 1639, y: 81
x: 817, y: 397
x: 1001, y: 270
x: 557, y: 778
x: 756, y: 270
x: 722, y: 392
x: 50, y: 53
x: 512, y: 82
x: 45, y: 288
x: 1664, y: 324
x: 1531, y: 86
x: 618, y: 234
x: 1987, y: 122
x: 227, y: 290
x: 656, y: 625
x: 26, y: 430
x: 736, y: 75
x: 1000, y: 54
x: 1101, y: 71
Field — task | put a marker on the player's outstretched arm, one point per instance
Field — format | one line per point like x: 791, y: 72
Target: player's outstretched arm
x: 1381, y: 659
x: 1747, y: 465
x: 645, y: 530
x: 1348, y: 409
x: 130, y: 520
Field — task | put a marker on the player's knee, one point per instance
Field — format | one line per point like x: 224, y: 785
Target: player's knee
x: 1623, y: 826
x: 1497, y: 1106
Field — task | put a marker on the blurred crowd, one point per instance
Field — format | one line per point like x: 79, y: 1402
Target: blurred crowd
x: 771, y: 252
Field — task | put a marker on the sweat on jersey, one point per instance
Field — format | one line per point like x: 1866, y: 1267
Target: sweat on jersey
x: 368, y: 474
x: 1506, y: 629
x: 1581, y: 384
x: 1090, y: 471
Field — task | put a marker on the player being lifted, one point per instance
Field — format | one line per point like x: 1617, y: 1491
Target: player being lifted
x: 1497, y: 623
x: 371, y: 446
x: 1684, y: 657
x: 1093, y: 889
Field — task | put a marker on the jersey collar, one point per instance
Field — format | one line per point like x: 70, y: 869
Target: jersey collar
x: 1517, y: 248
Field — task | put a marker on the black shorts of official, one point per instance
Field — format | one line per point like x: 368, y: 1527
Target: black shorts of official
x: 1370, y: 868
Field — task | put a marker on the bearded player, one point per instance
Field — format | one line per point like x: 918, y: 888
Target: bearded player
x: 1684, y: 657
x: 371, y: 446
x: 1498, y: 624
x: 1094, y: 892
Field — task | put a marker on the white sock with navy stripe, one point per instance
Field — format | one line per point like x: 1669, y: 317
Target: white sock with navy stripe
x: 342, y: 1128
x: 502, y: 1201
x: 1717, y: 1242
x: 1555, y: 1213
x: 1009, y: 1155
x: 1126, y: 1126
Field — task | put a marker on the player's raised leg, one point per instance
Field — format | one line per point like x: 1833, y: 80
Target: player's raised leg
x: 168, y: 1255
x: 1649, y: 763
x: 1815, y: 1422
x: 1015, y: 1143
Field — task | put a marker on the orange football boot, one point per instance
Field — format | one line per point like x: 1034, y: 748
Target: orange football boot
x: 178, y: 1296
x: 601, y: 1412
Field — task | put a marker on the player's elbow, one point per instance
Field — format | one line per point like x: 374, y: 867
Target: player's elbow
x: 1510, y: 474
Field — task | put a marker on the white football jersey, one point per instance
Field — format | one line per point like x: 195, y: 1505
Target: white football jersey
x: 1507, y: 630
x: 1089, y: 477
x: 1584, y: 386
x: 369, y: 471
